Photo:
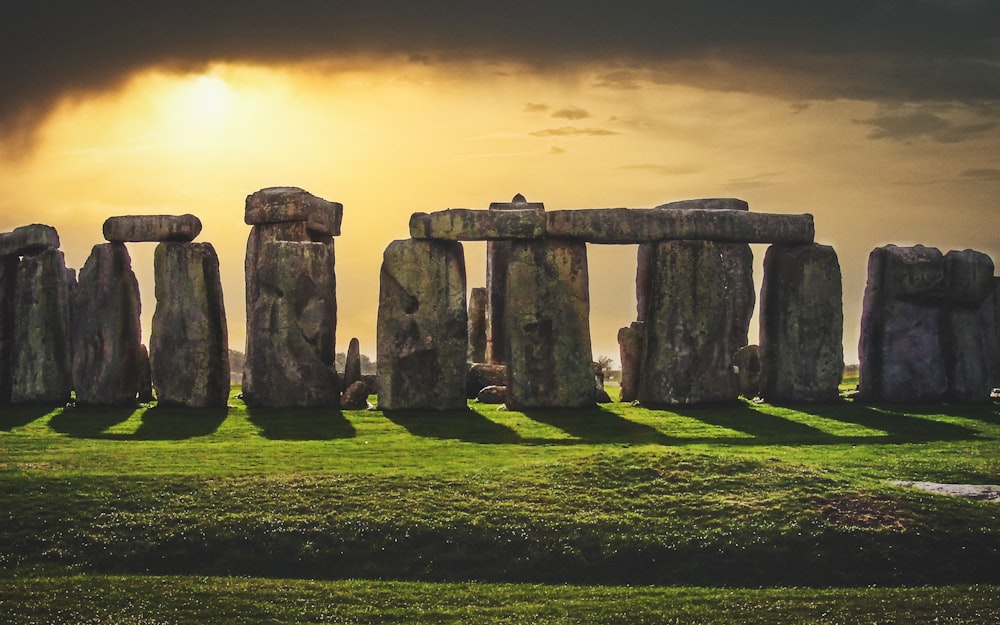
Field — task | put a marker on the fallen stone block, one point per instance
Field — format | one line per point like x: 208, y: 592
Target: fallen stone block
x: 644, y: 225
x: 151, y: 228
x: 463, y: 224
x: 29, y: 240
x: 281, y: 204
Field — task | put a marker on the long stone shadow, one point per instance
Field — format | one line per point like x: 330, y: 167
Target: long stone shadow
x: 596, y: 425
x: 301, y: 424
x: 762, y: 428
x: 986, y: 412
x: 90, y: 421
x: 161, y: 423
x: 898, y: 421
x: 464, y: 425
x: 18, y: 415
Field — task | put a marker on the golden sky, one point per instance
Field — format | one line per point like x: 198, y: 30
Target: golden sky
x: 392, y: 133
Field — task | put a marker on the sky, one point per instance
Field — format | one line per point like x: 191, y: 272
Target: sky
x: 879, y: 117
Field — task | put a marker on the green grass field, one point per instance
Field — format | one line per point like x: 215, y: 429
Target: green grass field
x: 740, y: 514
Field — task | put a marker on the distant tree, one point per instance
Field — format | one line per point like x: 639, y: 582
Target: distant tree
x: 606, y: 363
x: 236, y: 361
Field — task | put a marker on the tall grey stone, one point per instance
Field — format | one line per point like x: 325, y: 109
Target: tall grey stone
x: 801, y: 324
x: 423, y: 334
x: 41, y: 360
x: 477, y: 324
x: 547, y: 331
x: 996, y: 325
x: 189, y: 342
x: 630, y: 344
x: 969, y: 328
x: 900, y: 349
x: 497, y: 259
x: 108, y: 357
x: 747, y: 361
x: 352, y: 366
x: 290, y: 328
x: 699, y: 303
x: 8, y: 272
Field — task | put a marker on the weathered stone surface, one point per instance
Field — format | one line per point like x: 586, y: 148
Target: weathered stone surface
x: 146, y: 386
x: 747, y: 362
x: 153, y: 228
x: 644, y: 225
x: 41, y: 363
x: 801, y: 324
x: 602, y: 397
x: 462, y: 224
x: 496, y: 394
x: 481, y: 375
x: 108, y: 359
x: 8, y: 273
x: 548, y: 349
x: 969, y: 328
x: 352, y: 365
x: 701, y: 298
x: 28, y: 240
x: 423, y: 334
x: 290, y: 333
x: 189, y: 342
x: 355, y: 396
x: 713, y: 203
x: 477, y: 324
x: 900, y: 349
x: 630, y: 343
x: 283, y: 204
x: 996, y: 324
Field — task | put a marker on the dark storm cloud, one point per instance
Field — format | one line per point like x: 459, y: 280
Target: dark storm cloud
x: 903, y: 50
x: 916, y: 125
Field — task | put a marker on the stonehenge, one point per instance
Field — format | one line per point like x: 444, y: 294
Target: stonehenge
x: 929, y: 327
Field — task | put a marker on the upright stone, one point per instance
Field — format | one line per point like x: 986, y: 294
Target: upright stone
x: 969, y: 328
x: 996, y: 325
x: 352, y: 366
x: 630, y: 342
x: 422, y: 329
x: 747, y: 361
x: 189, y: 342
x: 477, y: 325
x: 497, y: 259
x: 8, y: 272
x: 290, y: 333
x: 41, y: 359
x: 701, y: 298
x: 548, y: 349
x: 108, y: 358
x: 801, y: 324
x: 900, y: 348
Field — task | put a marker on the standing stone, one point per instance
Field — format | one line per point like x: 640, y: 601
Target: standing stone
x: 423, y: 334
x: 700, y: 300
x: 969, y: 328
x: 996, y: 325
x: 747, y: 362
x: 477, y: 325
x: 801, y: 324
x: 8, y: 272
x: 352, y: 365
x: 497, y: 259
x: 290, y: 334
x: 548, y: 349
x: 108, y: 358
x: 41, y: 360
x: 146, y: 386
x: 900, y: 349
x: 630, y: 342
x: 189, y: 342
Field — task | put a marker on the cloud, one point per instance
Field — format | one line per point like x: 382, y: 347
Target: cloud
x: 536, y: 107
x: 915, y: 125
x: 571, y: 113
x: 988, y: 173
x: 663, y: 170
x: 571, y: 131
x: 891, y: 50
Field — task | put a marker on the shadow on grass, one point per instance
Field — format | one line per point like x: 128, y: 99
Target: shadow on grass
x: 301, y: 424
x: 763, y: 428
x: 164, y: 423
x: 464, y: 425
x: 15, y: 415
x: 902, y: 424
x: 90, y: 421
x: 597, y: 425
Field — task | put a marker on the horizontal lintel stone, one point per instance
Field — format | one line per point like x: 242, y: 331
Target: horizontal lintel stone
x: 29, y: 240
x: 281, y: 204
x: 464, y: 224
x: 713, y: 203
x: 645, y: 225
x: 151, y: 228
